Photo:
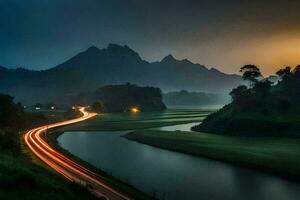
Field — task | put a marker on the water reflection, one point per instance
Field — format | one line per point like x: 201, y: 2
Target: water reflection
x: 180, y: 127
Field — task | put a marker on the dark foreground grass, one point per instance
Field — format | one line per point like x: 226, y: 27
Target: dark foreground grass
x: 20, y: 179
x: 275, y: 155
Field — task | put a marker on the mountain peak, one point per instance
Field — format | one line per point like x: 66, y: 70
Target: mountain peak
x: 168, y: 58
x: 93, y: 48
x: 114, y: 46
x: 117, y: 49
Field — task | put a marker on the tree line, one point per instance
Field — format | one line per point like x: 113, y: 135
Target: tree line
x: 122, y: 98
x: 261, y: 94
x: 260, y: 107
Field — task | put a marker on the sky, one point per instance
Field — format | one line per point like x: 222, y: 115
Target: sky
x: 225, y: 34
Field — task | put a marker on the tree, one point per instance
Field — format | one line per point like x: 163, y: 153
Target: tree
x: 284, y: 73
x: 296, y: 71
x: 238, y: 92
x: 6, y: 110
x: 11, y: 114
x: 262, y: 89
x: 98, y: 106
x: 121, y: 98
x: 251, y: 73
x: 290, y: 83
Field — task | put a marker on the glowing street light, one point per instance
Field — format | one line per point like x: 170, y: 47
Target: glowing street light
x: 135, y: 109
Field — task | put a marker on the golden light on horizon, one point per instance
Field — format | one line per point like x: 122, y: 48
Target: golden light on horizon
x: 269, y: 53
x: 279, y: 52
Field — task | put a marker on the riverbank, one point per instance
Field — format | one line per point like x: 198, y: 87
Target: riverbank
x: 275, y: 155
x: 124, y: 121
x: 126, y: 188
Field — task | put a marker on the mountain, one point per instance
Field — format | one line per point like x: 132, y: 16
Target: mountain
x: 115, y: 64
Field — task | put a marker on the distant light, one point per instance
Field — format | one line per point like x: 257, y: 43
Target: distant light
x: 52, y: 107
x: 73, y: 107
x: 135, y: 110
x: 37, y: 108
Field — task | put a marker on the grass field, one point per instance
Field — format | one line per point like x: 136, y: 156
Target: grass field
x: 276, y: 155
x: 127, y: 121
x: 20, y: 179
x: 134, y: 121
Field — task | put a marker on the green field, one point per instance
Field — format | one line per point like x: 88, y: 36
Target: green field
x: 276, y: 155
x: 20, y: 179
x: 134, y: 121
x: 127, y: 121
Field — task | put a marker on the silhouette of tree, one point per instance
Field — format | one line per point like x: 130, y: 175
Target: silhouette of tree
x: 262, y: 89
x: 12, y: 120
x: 284, y: 73
x: 120, y: 98
x: 251, y: 73
x: 238, y: 92
x: 296, y: 71
x: 11, y: 114
x: 98, y: 106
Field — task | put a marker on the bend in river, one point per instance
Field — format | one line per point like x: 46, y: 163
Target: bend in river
x: 171, y: 175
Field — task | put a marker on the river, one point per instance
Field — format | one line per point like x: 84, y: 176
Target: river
x: 171, y: 175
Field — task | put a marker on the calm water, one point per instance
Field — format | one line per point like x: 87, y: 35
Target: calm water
x: 174, y: 176
x: 179, y: 127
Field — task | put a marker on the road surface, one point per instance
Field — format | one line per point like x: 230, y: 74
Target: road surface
x: 65, y: 166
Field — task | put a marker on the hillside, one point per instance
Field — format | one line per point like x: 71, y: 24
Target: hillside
x: 115, y: 64
x: 263, y: 109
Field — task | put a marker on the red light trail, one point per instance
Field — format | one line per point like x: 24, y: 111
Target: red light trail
x: 67, y: 167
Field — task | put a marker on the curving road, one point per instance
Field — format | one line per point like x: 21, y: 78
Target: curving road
x: 65, y: 166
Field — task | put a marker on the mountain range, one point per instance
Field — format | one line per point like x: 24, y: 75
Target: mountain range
x: 114, y: 64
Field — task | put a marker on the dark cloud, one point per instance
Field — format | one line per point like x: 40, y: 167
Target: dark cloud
x: 42, y: 33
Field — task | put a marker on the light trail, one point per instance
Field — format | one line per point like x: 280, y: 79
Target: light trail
x: 67, y: 167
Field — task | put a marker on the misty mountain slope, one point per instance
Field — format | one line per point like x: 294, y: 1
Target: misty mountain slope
x: 183, y: 74
x: 115, y: 64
